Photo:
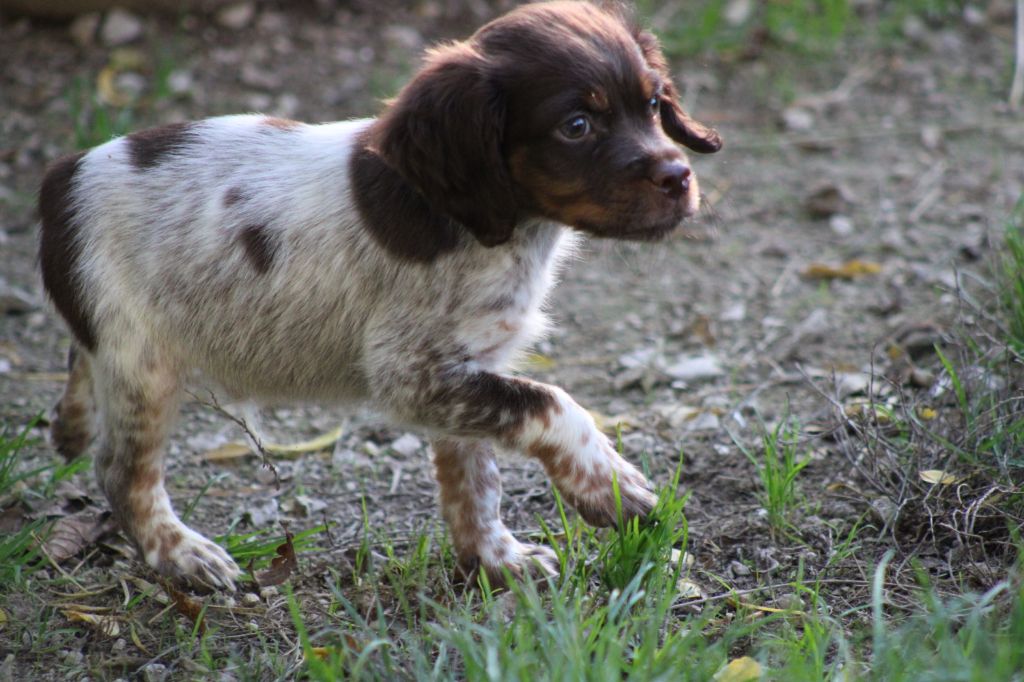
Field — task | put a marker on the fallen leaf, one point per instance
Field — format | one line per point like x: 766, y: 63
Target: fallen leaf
x: 319, y: 443
x: 71, y: 534
x: 3, y: 619
x: 926, y: 413
x: 610, y: 424
x: 283, y: 565
x: 228, y: 451
x: 938, y: 477
x: 106, y: 625
x: 848, y: 270
x: 536, y: 361
x: 742, y: 669
x: 687, y: 589
x: 186, y: 606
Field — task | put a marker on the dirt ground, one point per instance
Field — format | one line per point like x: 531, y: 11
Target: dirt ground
x: 896, y: 152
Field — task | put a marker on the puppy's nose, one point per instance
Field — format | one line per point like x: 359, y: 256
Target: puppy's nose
x: 671, y: 177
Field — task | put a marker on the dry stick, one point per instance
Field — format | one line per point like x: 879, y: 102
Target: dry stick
x: 1017, y: 89
x: 255, y: 439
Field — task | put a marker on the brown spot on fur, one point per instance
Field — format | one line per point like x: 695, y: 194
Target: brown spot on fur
x: 59, y: 248
x: 396, y: 216
x: 233, y: 196
x: 151, y: 147
x: 280, y: 123
x: 584, y: 439
x: 260, y: 246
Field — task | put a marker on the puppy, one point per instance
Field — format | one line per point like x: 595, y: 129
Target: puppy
x: 399, y: 261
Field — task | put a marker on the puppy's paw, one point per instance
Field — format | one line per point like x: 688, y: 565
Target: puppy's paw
x: 178, y: 552
x: 519, y: 559
x: 596, y: 501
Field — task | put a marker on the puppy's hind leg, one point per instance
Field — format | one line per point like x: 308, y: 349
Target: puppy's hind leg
x: 467, y: 474
x: 138, y: 400
x: 72, y: 420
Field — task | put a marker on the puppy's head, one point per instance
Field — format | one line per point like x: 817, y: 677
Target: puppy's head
x: 558, y: 110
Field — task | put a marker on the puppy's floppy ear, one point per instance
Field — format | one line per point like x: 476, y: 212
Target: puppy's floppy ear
x: 677, y: 123
x: 443, y: 134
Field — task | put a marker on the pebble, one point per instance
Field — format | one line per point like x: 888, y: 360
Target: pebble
x: 407, y: 445
x: 841, y: 225
x: 250, y: 599
x: 695, y: 368
x: 120, y: 28
x: 797, y: 120
x: 180, y: 81
x: 153, y: 672
x: 83, y: 29
x: 236, y: 16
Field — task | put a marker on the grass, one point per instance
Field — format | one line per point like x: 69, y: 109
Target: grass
x: 778, y: 466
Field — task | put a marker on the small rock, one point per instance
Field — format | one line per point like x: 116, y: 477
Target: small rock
x: 739, y: 569
x: 120, y: 28
x: 789, y: 602
x: 179, y: 82
x: 677, y: 415
x: 797, y: 120
x: 914, y: 28
x: 250, y: 599
x: 130, y: 83
x: 403, y: 36
x: 974, y: 16
x: 825, y: 200
x: 83, y: 29
x: 738, y: 11
x: 706, y: 421
x: 931, y: 137
x: 695, y: 368
x: 841, y: 225
x: 252, y: 75
x: 734, y: 312
x: 236, y: 16
x: 268, y: 593
x: 261, y: 513
x: 153, y: 672
x: 407, y: 445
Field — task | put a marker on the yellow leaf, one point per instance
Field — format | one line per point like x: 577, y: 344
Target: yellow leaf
x: 927, y: 413
x: 107, y: 90
x: 107, y: 625
x: 319, y: 443
x: 742, y: 669
x: 608, y: 424
x: 227, y: 451
x: 3, y: 619
x: 536, y: 361
x: 937, y: 477
x: 848, y: 270
x: 321, y: 652
x: 687, y: 589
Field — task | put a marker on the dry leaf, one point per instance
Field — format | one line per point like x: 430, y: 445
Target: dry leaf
x: 926, y: 413
x: 937, y: 477
x: 742, y: 669
x: 609, y: 424
x: 687, y: 589
x: 71, y: 534
x: 283, y: 565
x: 536, y: 361
x: 848, y: 270
x: 106, y: 625
x: 228, y: 451
x: 319, y: 443
x: 186, y: 606
x: 3, y: 619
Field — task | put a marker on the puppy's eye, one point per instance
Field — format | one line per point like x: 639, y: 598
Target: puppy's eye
x: 654, y: 104
x: 575, y: 128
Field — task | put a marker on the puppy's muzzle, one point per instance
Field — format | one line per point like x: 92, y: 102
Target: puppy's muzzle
x: 671, y: 177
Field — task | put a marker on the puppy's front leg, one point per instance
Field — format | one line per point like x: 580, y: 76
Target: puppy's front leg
x: 541, y: 421
x: 467, y: 474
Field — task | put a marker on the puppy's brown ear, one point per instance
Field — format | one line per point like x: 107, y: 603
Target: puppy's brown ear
x: 677, y: 123
x: 443, y: 134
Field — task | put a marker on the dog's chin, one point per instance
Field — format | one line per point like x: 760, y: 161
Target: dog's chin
x: 637, y: 228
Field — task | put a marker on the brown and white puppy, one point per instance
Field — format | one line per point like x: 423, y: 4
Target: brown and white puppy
x: 398, y: 261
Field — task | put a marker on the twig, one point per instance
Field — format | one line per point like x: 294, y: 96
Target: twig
x: 1017, y: 89
x: 256, y: 441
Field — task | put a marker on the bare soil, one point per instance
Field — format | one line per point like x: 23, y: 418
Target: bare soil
x: 899, y: 153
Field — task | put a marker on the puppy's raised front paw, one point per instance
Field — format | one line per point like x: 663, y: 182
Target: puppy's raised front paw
x: 178, y: 552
